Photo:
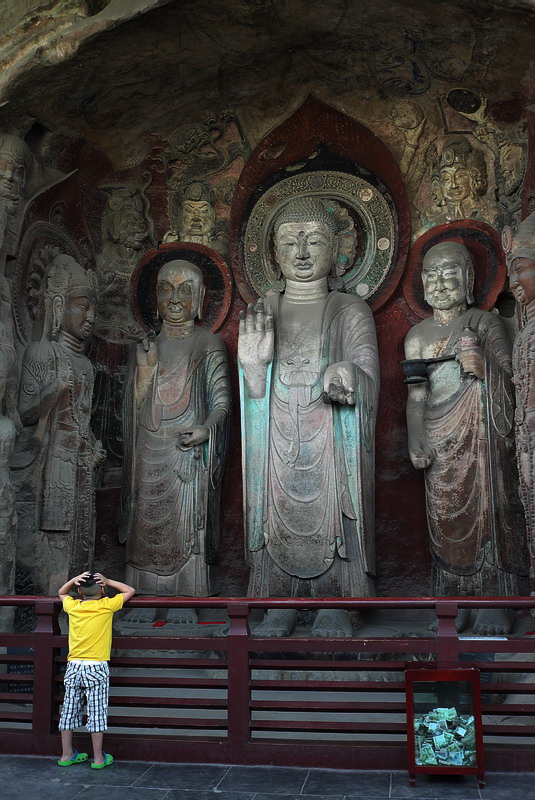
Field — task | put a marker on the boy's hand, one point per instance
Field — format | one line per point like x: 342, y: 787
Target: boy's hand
x: 100, y: 579
x: 81, y: 578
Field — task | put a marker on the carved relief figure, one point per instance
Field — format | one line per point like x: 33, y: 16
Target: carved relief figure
x: 126, y: 234
x: 180, y: 421
x: 521, y: 263
x: 460, y: 427
x: 194, y: 218
x: 309, y: 377
x: 55, y: 406
x: 507, y: 143
x: 461, y: 173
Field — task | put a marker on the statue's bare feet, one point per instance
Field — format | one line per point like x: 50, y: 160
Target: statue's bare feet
x: 277, y: 622
x: 493, y: 622
x: 140, y: 616
x: 181, y: 616
x: 461, y: 623
x: 331, y: 623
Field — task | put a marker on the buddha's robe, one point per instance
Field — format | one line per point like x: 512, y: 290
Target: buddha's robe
x: 308, y: 464
x: 474, y: 515
x: 173, y: 529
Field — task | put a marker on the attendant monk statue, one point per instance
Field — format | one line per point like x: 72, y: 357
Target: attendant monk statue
x: 57, y: 443
x: 180, y: 428
x: 309, y: 374
x: 460, y: 428
x: 521, y: 262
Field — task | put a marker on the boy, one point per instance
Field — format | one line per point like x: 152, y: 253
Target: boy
x: 90, y: 624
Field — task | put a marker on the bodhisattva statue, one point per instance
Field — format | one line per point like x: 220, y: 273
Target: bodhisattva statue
x: 7, y: 499
x: 180, y: 427
x: 309, y: 373
x: 55, y: 407
x: 460, y: 427
x: 521, y: 263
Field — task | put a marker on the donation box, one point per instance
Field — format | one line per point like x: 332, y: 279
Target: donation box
x: 444, y: 733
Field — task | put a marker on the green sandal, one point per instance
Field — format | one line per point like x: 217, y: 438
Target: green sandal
x: 77, y: 758
x: 106, y: 763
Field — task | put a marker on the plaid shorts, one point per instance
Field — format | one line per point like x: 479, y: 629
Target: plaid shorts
x: 90, y: 680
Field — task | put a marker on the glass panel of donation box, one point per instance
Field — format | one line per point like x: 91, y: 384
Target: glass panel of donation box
x: 444, y: 722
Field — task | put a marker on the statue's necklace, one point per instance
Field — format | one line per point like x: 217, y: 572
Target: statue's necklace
x: 181, y: 331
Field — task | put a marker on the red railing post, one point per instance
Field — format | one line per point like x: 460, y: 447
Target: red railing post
x: 447, y: 638
x: 238, y: 702
x: 43, y: 679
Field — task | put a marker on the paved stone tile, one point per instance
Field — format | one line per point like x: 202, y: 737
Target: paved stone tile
x: 187, y: 794
x: 279, y: 780
x: 452, y: 787
x: 202, y: 777
x: 35, y: 789
x: 107, y: 792
x: 43, y: 768
x: 299, y: 797
x: 504, y: 785
x: 350, y: 783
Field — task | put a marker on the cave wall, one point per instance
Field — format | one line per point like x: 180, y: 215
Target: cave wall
x: 137, y: 106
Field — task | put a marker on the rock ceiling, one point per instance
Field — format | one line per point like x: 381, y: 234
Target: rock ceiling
x: 113, y: 77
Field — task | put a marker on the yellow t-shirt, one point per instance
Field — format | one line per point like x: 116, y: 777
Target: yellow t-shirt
x: 90, y: 627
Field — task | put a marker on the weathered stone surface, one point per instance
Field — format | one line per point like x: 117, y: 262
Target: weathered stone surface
x: 460, y: 426
x: 521, y: 262
x: 309, y: 400
x: 57, y: 452
x: 179, y: 412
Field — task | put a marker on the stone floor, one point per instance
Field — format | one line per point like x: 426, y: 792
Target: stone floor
x: 38, y: 778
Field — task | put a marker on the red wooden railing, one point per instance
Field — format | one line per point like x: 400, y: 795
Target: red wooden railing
x: 245, y: 700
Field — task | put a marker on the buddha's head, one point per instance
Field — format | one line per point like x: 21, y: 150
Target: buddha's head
x: 448, y: 276
x: 180, y: 292
x: 463, y: 172
x: 70, y: 298
x: 305, y: 238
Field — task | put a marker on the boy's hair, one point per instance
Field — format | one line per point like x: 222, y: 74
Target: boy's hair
x: 89, y: 587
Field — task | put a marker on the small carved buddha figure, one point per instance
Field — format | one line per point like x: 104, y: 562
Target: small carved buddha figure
x: 309, y: 374
x: 460, y: 427
x: 179, y: 412
x: 521, y: 264
x: 55, y: 407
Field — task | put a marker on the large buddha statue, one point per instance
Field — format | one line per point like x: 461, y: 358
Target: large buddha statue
x: 179, y: 428
x: 309, y: 373
x: 460, y: 427
x: 57, y: 442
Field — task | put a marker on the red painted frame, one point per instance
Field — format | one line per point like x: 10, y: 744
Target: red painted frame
x: 413, y: 676
x: 239, y: 648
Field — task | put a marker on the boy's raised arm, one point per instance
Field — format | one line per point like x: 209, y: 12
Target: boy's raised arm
x: 66, y: 588
x: 126, y: 591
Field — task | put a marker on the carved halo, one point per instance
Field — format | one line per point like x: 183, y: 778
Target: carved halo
x: 217, y: 279
x: 483, y: 242
x: 40, y: 244
x: 371, y: 215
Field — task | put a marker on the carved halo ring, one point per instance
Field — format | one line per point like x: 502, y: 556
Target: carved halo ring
x: 367, y: 205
